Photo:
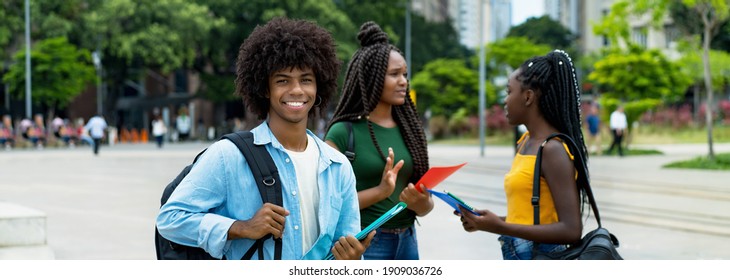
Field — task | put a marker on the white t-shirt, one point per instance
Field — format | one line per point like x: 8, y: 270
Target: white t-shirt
x: 618, y: 120
x: 96, y: 126
x: 306, y: 166
x: 158, y: 128
x: 183, y: 123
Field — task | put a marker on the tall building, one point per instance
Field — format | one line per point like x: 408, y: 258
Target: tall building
x: 566, y: 12
x: 579, y: 16
x: 466, y: 16
x: 501, y: 19
x: 431, y: 10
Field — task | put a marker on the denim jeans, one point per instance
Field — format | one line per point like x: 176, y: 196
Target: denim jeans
x: 514, y: 248
x: 393, y: 246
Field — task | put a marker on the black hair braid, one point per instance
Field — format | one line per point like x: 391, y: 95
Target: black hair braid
x: 362, y: 90
x: 568, y: 84
x: 414, y: 136
x: 553, y: 75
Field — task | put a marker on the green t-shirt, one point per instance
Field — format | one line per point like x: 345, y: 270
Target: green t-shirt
x: 368, y: 167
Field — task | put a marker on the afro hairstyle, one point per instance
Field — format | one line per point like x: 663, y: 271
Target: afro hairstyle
x: 283, y: 43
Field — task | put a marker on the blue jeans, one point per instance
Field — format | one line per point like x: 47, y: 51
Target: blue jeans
x: 386, y: 245
x: 514, y: 248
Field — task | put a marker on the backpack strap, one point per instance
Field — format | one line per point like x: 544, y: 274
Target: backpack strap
x: 350, y: 152
x: 267, y: 179
x: 582, y: 181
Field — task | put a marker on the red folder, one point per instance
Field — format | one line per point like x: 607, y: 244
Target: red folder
x: 436, y: 175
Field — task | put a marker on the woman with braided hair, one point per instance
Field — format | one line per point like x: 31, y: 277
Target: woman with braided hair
x: 390, y: 144
x: 543, y: 95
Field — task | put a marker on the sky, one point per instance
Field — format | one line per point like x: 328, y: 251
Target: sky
x: 524, y: 9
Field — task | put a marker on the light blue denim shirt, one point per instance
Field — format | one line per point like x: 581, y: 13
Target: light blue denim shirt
x: 220, y: 189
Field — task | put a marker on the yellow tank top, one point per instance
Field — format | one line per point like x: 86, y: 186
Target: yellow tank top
x: 518, y: 189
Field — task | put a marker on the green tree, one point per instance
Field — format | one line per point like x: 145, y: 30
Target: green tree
x: 503, y: 58
x: 689, y: 22
x: 446, y: 85
x: 544, y: 30
x: 510, y: 52
x: 49, y: 19
x: 692, y: 65
x: 217, y: 64
x: 11, y: 23
x: 712, y: 14
x: 136, y: 37
x: 641, y: 79
x: 157, y: 34
x: 429, y: 40
x: 60, y: 72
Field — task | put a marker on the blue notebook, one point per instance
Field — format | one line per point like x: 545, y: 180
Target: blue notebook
x: 453, y: 201
x: 375, y: 225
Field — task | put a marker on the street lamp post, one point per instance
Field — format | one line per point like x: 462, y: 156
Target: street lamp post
x: 408, y: 38
x: 482, y: 77
x: 28, y: 112
x: 96, y: 57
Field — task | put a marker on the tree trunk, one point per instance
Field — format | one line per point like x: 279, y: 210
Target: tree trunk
x: 696, y: 99
x: 708, y: 25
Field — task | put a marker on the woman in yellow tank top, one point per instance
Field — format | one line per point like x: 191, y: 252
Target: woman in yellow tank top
x: 543, y: 95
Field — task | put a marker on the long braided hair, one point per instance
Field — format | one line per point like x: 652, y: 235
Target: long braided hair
x: 362, y: 91
x: 553, y: 75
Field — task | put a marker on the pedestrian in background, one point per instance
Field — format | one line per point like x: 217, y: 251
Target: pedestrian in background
x: 618, y: 125
x: 594, y: 129
x: 183, y: 124
x: 390, y: 144
x: 543, y: 95
x: 7, y: 133
x: 158, y: 130
x: 96, y: 127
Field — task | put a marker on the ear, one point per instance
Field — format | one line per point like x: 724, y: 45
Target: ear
x: 530, y: 97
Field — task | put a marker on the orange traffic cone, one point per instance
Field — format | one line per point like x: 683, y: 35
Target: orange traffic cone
x: 134, y: 136
x: 143, y: 137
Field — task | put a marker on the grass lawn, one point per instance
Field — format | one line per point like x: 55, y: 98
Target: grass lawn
x: 633, y: 152
x: 642, y: 135
x: 667, y: 135
x: 721, y: 162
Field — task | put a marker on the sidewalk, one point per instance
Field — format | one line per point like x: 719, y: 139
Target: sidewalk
x: 103, y: 207
x: 645, y: 205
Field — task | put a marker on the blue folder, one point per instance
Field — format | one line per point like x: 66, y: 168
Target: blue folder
x: 453, y: 201
x: 375, y: 225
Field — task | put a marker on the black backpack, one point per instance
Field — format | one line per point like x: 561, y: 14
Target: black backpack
x: 267, y: 178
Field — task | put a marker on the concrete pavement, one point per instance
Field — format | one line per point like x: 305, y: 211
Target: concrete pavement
x: 103, y: 208
x: 656, y: 213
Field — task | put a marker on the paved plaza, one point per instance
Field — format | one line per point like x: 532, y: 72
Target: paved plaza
x: 103, y: 207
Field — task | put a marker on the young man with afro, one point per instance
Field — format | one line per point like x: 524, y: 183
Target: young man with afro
x: 284, y: 69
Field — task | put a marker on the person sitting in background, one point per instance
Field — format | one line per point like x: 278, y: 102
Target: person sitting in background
x: 7, y: 133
